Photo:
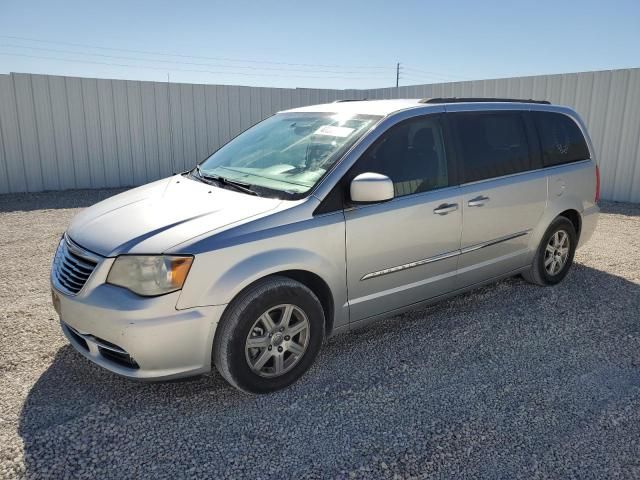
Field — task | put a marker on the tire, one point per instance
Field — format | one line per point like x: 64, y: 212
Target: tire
x: 541, y: 271
x: 246, y: 322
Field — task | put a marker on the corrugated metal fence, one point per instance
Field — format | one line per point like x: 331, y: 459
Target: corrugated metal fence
x: 64, y: 132
x: 608, y: 101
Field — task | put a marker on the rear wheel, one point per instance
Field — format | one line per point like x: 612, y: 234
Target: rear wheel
x: 269, y: 335
x: 554, y: 256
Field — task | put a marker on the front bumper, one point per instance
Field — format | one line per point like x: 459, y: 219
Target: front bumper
x: 137, y: 337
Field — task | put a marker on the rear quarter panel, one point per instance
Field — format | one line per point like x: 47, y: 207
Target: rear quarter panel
x: 570, y: 187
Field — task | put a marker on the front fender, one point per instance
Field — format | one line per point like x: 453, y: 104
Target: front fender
x: 262, y: 264
x: 315, y: 245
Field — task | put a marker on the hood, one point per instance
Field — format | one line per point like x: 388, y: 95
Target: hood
x: 153, y: 218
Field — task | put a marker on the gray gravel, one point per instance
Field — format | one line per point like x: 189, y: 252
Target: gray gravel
x: 510, y: 381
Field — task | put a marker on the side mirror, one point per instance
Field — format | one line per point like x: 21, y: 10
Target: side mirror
x: 371, y: 188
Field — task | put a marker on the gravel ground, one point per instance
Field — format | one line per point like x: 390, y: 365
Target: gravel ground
x: 509, y: 381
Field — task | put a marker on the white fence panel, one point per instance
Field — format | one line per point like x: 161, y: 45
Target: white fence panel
x: 45, y: 132
x: 608, y: 101
x: 65, y: 132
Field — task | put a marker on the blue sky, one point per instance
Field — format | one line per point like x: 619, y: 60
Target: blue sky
x: 332, y: 44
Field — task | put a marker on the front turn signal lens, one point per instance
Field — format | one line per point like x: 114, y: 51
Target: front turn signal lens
x: 179, y: 270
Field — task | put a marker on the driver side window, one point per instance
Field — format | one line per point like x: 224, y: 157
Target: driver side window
x: 411, y: 154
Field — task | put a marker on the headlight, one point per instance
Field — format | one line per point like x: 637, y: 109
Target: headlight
x: 150, y: 275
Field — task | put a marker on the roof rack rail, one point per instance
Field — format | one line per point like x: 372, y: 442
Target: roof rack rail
x: 480, y: 99
x: 350, y: 100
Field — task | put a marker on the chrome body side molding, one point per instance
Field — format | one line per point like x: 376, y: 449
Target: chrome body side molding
x: 406, y: 266
x: 495, y: 241
x: 443, y: 256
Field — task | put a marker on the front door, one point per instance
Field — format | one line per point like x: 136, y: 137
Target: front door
x: 406, y: 250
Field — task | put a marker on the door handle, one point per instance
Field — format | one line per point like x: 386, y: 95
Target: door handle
x: 445, y: 208
x: 478, y: 201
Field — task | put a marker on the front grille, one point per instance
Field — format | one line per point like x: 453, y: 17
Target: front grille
x: 72, y: 266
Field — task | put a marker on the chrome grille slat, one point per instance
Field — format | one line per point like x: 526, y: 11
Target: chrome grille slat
x: 78, y: 260
x: 68, y: 286
x: 77, y: 264
x: 67, y: 272
x: 72, y: 266
x: 65, y: 284
x: 70, y: 280
x: 75, y: 268
x: 74, y: 276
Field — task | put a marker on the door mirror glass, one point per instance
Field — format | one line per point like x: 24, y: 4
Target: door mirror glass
x: 371, y: 188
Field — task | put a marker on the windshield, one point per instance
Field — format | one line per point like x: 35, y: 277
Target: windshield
x: 288, y: 152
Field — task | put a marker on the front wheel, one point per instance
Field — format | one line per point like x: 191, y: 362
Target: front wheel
x: 554, y: 256
x: 269, y: 335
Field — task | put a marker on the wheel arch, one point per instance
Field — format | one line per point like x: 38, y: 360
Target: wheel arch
x: 574, y: 217
x: 570, y: 208
x: 313, y: 282
x: 320, y: 288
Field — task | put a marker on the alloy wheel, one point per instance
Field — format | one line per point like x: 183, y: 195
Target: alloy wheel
x: 277, y: 340
x: 557, y: 252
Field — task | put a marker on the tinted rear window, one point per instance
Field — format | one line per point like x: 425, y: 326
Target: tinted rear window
x: 493, y: 144
x: 560, y: 139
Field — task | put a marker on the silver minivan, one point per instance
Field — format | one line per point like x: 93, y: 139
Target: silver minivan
x: 318, y: 220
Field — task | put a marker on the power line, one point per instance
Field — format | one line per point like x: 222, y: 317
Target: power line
x: 188, y: 63
x: 403, y: 71
x: 430, y: 80
x: 177, y: 69
x: 432, y: 74
x: 227, y: 59
x: 379, y: 69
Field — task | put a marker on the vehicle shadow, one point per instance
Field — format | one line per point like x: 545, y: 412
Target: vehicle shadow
x: 474, y: 364
x: 620, y: 208
x: 26, y: 202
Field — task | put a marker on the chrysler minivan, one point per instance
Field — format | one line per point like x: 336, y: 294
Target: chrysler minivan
x: 318, y: 220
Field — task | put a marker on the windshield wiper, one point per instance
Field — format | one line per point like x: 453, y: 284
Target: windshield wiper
x: 240, y: 186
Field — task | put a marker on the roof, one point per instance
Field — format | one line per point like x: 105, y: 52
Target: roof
x: 364, y: 107
x: 387, y: 107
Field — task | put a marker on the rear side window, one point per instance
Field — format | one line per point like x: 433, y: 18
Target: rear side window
x: 560, y: 139
x: 492, y: 144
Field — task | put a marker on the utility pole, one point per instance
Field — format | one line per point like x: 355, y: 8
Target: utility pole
x: 397, y: 74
